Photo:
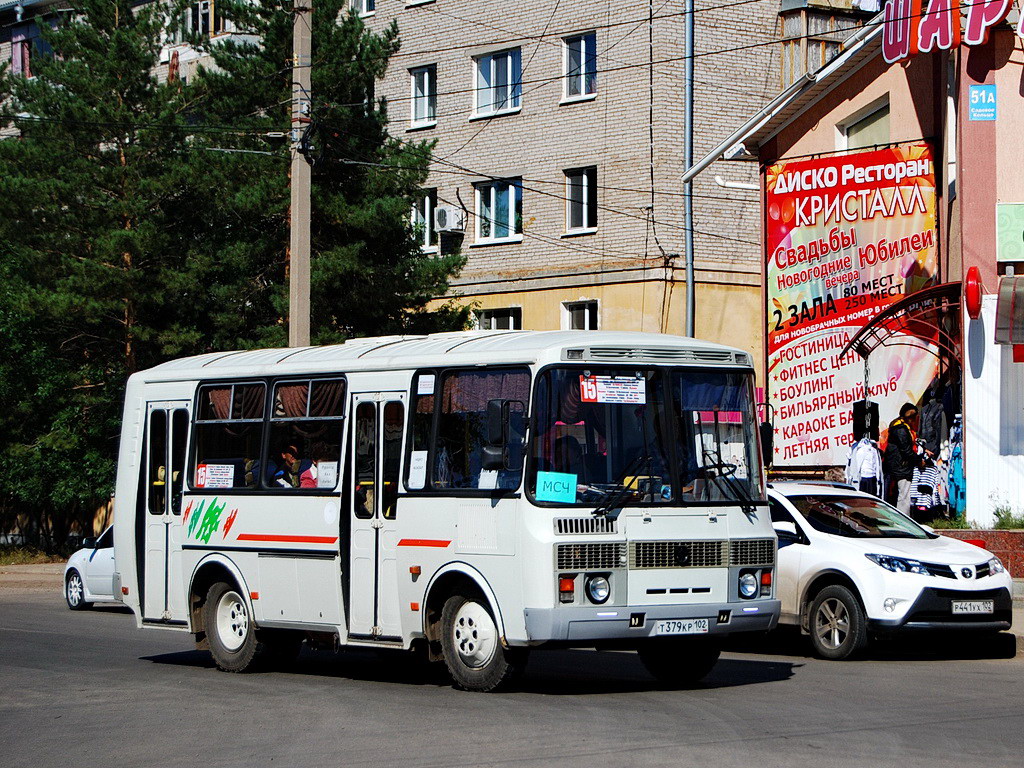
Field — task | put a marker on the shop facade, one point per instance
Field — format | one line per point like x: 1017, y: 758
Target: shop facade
x: 893, y: 230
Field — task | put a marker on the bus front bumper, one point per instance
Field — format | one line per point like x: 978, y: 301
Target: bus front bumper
x: 587, y: 622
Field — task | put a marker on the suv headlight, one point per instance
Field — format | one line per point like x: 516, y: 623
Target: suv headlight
x: 995, y: 566
x: 897, y: 564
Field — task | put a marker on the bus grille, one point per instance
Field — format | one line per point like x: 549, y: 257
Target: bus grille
x: 576, y: 525
x: 678, y: 554
x: 752, y: 552
x: 580, y: 557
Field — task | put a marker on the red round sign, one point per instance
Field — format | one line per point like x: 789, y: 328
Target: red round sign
x: 972, y: 293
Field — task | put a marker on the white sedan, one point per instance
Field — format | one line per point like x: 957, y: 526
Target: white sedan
x: 850, y: 565
x: 89, y: 574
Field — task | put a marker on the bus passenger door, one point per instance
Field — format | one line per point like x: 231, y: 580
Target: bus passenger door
x: 377, y: 426
x: 164, y: 472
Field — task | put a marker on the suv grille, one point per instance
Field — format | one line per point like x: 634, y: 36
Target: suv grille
x: 752, y: 552
x: 937, y: 569
x: 981, y: 571
x: 677, y: 554
x: 579, y: 557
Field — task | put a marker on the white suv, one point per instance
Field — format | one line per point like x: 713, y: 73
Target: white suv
x: 849, y: 565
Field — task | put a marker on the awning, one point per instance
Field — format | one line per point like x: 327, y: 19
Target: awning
x: 915, y: 320
x: 1010, y: 311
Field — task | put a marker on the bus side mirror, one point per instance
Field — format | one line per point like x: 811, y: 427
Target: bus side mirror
x: 494, y: 448
x: 767, y: 443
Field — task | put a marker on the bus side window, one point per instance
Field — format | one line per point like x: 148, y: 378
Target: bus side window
x: 157, y: 479
x: 179, y: 436
x: 462, y: 427
x: 365, y: 459
x: 394, y: 422
x: 228, y: 435
x: 305, y: 434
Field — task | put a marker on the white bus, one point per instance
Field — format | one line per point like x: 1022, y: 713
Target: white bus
x: 474, y: 495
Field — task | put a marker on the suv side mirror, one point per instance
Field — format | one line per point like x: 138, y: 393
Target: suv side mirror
x: 787, y: 533
x: 89, y: 542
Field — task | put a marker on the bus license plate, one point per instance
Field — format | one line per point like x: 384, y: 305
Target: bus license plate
x: 973, y: 606
x: 681, y: 627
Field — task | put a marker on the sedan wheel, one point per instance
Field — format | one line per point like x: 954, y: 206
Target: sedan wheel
x: 74, y: 592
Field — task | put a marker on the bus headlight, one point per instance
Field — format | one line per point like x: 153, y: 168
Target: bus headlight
x: 598, y: 589
x: 748, y: 585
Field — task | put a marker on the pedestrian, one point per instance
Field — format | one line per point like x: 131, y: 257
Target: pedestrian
x: 901, y: 457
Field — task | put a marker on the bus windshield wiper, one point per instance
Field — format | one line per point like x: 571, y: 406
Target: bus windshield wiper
x: 617, y: 497
x: 735, y: 486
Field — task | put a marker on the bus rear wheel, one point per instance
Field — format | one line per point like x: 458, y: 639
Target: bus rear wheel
x: 679, y: 662
x: 229, y: 628
x: 472, y: 647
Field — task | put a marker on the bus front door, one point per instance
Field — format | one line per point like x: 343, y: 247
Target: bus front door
x: 164, y: 472
x: 374, y: 473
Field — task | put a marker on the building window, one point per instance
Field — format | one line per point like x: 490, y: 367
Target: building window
x: 868, y: 131
x: 364, y: 7
x: 423, y: 220
x: 580, y: 66
x: 27, y: 46
x: 499, y: 85
x: 424, y: 95
x: 204, y: 20
x: 579, y: 315
x: 811, y: 37
x: 499, y: 210
x: 507, y: 319
x: 581, y: 200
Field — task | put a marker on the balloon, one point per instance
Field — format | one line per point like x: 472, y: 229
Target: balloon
x: 895, y: 367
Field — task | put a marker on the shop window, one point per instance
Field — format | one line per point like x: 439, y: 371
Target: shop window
x: 305, y: 435
x: 424, y: 96
x: 581, y: 200
x: 461, y: 429
x: 229, y: 435
x: 869, y: 130
x: 499, y: 211
x: 506, y: 319
x: 499, y: 85
x: 579, y: 315
x: 580, y: 66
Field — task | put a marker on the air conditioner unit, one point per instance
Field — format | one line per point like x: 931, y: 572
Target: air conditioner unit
x: 449, y: 218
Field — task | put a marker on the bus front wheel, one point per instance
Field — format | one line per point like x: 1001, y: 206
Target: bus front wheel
x: 229, y: 628
x: 679, y: 662
x: 472, y: 647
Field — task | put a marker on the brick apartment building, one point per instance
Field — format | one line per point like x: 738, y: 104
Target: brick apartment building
x: 569, y: 182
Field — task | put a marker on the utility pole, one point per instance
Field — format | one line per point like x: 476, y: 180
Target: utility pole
x: 691, y: 299
x: 301, y: 178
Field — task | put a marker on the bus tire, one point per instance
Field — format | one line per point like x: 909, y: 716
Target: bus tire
x: 230, y: 630
x: 472, y: 647
x: 679, y: 662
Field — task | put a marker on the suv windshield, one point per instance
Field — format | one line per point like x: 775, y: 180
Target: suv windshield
x: 857, y: 517
x: 643, y: 436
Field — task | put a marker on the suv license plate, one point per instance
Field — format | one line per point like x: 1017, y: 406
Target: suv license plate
x: 682, y: 627
x: 973, y: 606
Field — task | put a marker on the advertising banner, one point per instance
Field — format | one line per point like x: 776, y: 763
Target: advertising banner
x: 847, y: 235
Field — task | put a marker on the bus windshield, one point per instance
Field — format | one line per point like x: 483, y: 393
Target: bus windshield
x: 644, y: 436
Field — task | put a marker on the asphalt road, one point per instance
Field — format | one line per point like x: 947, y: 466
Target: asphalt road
x: 88, y: 689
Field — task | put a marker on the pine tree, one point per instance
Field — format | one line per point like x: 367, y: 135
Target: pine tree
x: 145, y: 218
